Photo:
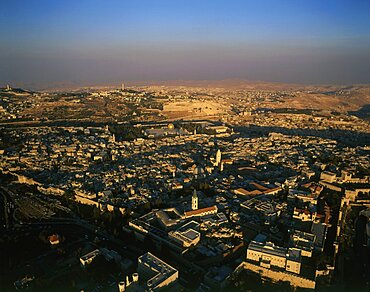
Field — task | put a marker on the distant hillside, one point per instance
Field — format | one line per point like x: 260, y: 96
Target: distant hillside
x: 342, y: 98
x: 14, y: 90
x: 225, y: 83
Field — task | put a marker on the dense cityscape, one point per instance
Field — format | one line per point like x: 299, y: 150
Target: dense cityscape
x: 184, y: 188
x: 206, y: 146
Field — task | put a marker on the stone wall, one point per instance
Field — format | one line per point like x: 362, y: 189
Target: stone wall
x: 294, y: 280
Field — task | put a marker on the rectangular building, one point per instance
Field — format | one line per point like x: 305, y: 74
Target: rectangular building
x: 269, y: 255
x: 303, y: 241
x: 158, y: 273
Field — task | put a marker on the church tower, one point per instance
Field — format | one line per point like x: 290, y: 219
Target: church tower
x: 194, y: 201
x: 218, y: 157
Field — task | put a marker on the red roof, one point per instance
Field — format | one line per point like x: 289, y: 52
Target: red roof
x: 258, y: 186
x: 54, y: 238
x: 200, y: 211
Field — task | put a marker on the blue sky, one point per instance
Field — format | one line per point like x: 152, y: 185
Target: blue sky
x: 98, y: 41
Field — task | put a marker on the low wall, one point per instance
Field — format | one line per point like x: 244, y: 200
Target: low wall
x: 294, y: 280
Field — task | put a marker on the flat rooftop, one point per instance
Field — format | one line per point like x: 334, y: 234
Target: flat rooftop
x: 160, y: 269
x: 268, y: 248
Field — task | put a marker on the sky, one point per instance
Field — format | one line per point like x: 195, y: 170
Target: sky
x: 45, y: 42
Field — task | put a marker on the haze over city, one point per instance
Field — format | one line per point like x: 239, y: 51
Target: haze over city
x: 98, y: 42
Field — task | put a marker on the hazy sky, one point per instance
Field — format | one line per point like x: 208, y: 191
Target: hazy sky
x: 98, y: 41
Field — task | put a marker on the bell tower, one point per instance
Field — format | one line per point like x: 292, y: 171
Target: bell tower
x: 194, y: 201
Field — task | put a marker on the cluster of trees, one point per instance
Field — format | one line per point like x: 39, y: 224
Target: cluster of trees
x: 126, y: 132
x: 155, y: 105
x: 190, y: 127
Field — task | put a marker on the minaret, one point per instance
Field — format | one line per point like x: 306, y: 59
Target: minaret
x: 123, y: 87
x: 194, y: 201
